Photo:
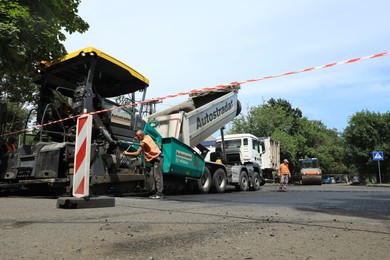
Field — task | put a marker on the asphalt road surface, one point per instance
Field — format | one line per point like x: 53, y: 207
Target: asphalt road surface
x: 334, y: 199
x: 307, y: 222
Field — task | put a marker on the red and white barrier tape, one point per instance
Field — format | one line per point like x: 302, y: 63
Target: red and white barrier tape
x: 205, y: 89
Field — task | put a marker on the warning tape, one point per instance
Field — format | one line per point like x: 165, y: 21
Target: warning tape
x: 194, y: 91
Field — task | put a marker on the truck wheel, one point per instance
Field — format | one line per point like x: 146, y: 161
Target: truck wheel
x: 204, y: 183
x: 256, y: 182
x: 243, y: 184
x: 219, y: 181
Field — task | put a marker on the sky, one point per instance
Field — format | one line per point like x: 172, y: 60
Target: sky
x: 185, y: 45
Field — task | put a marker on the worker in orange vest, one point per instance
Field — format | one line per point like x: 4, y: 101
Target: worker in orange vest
x: 9, y: 146
x: 284, y: 174
x: 153, y: 155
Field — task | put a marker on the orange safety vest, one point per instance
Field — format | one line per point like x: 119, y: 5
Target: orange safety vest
x: 10, y: 147
x: 151, y: 150
x: 283, y: 170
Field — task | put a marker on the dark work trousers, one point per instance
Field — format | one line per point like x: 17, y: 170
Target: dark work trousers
x: 157, y: 174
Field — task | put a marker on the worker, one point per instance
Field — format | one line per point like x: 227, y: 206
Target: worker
x: 284, y: 174
x: 153, y: 156
x: 9, y: 146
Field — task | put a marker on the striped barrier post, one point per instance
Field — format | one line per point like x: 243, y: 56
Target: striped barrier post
x: 82, y: 156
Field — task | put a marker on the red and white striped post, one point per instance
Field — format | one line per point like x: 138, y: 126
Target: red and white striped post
x: 82, y: 156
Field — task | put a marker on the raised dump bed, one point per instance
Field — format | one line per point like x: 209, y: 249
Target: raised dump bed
x: 203, y: 114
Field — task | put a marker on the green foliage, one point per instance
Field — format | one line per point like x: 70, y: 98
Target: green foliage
x: 16, y: 117
x: 365, y: 133
x: 289, y: 145
x: 260, y: 122
x: 293, y: 114
x: 31, y: 31
x: 350, y: 153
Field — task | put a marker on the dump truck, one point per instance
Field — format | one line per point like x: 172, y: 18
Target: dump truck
x: 310, y: 171
x: 195, y: 119
x: 262, y: 151
x: 244, y: 150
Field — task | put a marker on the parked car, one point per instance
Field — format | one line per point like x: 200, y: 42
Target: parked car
x: 341, y: 179
x: 357, y: 180
x: 327, y: 180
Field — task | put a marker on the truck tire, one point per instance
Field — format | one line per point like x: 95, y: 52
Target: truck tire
x: 219, y: 181
x: 243, y: 184
x: 256, y: 182
x: 204, y: 183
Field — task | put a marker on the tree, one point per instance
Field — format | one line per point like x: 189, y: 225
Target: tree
x: 317, y: 141
x: 260, y: 121
x: 15, y: 118
x: 295, y: 114
x: 367, y: 132
x: 29, y: 32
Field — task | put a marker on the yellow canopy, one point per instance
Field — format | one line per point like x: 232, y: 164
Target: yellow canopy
x: 111, y: 76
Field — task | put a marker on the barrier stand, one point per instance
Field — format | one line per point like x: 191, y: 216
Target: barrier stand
x: 82, y: 164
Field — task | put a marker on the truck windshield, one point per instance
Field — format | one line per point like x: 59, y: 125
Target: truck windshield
x: 308, y: 163
x: 233, y: 143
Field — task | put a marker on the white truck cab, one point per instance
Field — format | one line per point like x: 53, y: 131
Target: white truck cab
x: 248, y: 146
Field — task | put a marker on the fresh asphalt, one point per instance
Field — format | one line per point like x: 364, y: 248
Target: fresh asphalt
x: 338, y: 199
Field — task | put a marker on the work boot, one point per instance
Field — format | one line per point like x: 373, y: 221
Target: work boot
x: 156, y: 196
x: 159, y: 195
